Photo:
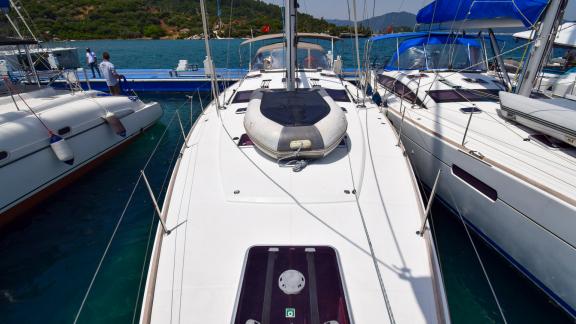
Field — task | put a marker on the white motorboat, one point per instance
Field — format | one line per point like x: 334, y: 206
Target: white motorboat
x: 267, y: 221
x: 507, y: 165
x: 49, y: 137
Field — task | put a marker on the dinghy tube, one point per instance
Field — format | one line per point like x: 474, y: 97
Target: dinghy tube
x: 305, y: 123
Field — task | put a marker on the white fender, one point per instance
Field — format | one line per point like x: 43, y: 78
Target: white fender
x: 115, y: 124
x: 62, y: 150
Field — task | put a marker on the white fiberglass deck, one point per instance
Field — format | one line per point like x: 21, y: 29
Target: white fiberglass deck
x: 226, y: 199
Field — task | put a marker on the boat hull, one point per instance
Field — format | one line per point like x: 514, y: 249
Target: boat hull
x: 513, y: 229
x: 35, y: 176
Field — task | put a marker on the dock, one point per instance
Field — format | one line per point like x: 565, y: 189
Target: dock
x: 166, y: 80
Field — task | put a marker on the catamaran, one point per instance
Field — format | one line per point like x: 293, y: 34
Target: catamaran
x: 49, y: 137
x: 292, y: 203
x: 507, y: 161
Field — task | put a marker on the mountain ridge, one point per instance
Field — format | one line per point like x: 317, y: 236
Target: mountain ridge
x: 169, y: 19
x: 398, y: 20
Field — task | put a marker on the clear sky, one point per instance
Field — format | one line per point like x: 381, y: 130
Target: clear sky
x: 338, y: 9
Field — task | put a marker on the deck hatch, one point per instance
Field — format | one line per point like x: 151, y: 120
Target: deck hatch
x: 292, y: 285
x: 475, y: 182
x: 464, y: 95
x: 338, y: 95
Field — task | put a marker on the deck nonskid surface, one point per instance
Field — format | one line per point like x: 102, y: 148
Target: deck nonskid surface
x: 202, y: 259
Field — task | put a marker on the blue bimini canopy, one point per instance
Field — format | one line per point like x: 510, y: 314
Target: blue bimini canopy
x: 411, y: 54
x: 4, y: 5
x: 526, y: 12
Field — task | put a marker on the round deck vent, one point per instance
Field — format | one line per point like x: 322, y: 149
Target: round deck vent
x: 291, y: 282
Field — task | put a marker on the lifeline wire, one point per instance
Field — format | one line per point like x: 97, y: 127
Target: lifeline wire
x: 97, y: 271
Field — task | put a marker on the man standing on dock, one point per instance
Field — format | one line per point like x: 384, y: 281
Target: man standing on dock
x: 91, y: 60
x: 112, y: 78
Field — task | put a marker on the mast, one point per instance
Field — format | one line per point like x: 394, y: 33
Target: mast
x: 542, y: 45
x: 291, y: 43
x: 215, y: 87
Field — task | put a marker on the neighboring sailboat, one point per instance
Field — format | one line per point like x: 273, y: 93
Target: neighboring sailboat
x: 559, y: 75
x: 509, y: 167
x: 46, y: 62
x: 49, y: 137
x: 291, y: 203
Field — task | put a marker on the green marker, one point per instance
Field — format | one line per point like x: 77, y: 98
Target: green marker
x: 290, y: 312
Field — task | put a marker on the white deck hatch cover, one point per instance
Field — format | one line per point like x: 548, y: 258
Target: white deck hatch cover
x: 319, y: 299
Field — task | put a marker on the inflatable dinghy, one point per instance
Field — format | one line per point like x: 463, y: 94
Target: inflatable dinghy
x: 554, y: 117
x: 305, y: 123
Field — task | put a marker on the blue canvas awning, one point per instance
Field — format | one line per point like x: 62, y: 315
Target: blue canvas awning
x: 525, y: 11
x: 5, y: 5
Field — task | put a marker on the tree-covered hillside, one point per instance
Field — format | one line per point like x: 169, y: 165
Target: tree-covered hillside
x: 98, y: 19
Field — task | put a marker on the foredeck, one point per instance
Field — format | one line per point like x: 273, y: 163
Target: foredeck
x: 226, y: 199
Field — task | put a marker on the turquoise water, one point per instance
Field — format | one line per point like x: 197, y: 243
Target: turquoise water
x: 160, y: 54
x: 48, y: 256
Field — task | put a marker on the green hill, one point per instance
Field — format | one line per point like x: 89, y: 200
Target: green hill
x: 106, y: 19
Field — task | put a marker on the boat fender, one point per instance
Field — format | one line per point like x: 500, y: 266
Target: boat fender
x: 62, y: 150
x: 115, y: 124
x: 369, y: 90
x: 377, y: 99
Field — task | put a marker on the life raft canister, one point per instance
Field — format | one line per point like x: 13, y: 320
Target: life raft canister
x: 62, y: 150
x: 305, y: 123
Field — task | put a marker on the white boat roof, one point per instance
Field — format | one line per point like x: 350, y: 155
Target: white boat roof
x: 225, y: 199
x: 566, y: 35
x: 280, y: 36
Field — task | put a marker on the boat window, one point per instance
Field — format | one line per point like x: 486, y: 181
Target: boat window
x: 275, y: 58
x: 3, y: 155
x: 464, y: 95
x: 338, y: 95
x: 398, y: 88
x: 241, y: 110
x: 475, y: 182
x: 292, y: 285
x: 471, y: 110
x: 242, y: 96
x: 64, y: 130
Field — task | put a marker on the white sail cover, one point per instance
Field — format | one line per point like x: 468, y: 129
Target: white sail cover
x: 554, y: 117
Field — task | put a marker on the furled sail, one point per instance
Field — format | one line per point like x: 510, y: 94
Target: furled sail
x: 474, y: 13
